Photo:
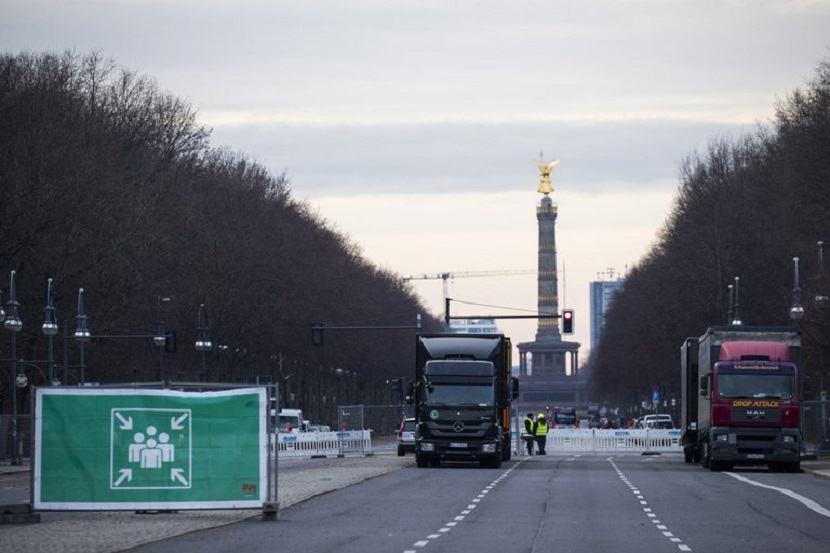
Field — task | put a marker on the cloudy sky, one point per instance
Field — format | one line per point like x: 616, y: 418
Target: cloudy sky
x: 412, y: 125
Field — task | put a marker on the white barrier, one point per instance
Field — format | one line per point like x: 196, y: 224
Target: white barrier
x: 323, y: 444
x: 622, y: 440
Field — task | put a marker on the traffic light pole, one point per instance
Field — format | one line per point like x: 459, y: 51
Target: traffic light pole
x: 448, y: 317
x: 317, y: 329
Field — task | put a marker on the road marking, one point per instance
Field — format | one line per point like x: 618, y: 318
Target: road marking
x: 807, y: 502
x: 458, y: 518
x: 647, y: 510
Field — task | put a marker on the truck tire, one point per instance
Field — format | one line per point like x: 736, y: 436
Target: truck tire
x: 491, y: 462
x: 421, y: 461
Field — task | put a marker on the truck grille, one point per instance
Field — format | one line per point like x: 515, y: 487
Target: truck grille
x: 755, y: 415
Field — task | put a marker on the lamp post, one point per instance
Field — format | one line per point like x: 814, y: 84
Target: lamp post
x: 82, y: 333
x: 203, y: 343
x: 796, y: 310
x: 736, y: 308
x: 13, y: 323
x: 160, y: 339
x: 50, y: 328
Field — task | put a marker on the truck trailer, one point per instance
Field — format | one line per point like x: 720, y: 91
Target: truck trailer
x: 462, y: 392
x: 741, y: 390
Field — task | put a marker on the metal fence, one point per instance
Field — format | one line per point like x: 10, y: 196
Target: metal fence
x: 816, y: 427
x: 385, y: 420
x: 15, y: 438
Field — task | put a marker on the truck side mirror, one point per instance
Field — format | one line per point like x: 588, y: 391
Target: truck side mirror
x: 515, y: 386
x: 704, y: 385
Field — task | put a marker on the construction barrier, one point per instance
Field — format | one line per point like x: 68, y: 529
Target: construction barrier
x: 597, y: 440
x: 324, y: 444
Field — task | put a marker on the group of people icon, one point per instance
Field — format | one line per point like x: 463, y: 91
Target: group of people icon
x: 149, y: 451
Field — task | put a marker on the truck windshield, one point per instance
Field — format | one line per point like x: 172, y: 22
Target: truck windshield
x: 461, y: 394
x: 777, y: 386
x: 289, y: 423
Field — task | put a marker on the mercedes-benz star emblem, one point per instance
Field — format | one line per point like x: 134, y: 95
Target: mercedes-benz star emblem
x: 458, y: 426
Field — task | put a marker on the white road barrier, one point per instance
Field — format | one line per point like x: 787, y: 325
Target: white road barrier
x: 324, y: 444
x: 623, y: 439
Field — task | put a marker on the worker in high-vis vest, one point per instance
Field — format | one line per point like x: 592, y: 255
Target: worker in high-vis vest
x: 540, y: 432
x: 527, y: 435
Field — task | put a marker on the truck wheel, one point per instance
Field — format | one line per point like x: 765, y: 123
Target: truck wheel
x: 794, y: 467
x: 491, y: 462
x: 704, y: 455
x: 421, y: 461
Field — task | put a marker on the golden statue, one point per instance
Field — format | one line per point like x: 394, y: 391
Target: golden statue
x: 545, y: 186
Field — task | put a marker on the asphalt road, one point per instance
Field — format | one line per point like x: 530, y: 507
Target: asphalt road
x: 568, y: 503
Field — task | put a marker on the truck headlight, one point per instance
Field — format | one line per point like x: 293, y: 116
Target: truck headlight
x: 488, y: 448
x: 789, y: 439
x: 721, y: 437
x: 427, y: 446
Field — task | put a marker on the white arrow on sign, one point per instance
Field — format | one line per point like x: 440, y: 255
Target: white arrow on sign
x: 176, y: 474
x: 125, y: 473
x: 126, y: 424
x: 177, y: 423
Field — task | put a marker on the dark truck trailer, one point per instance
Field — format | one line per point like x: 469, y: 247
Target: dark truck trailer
x: 462, y: 393
x: 741, y: 389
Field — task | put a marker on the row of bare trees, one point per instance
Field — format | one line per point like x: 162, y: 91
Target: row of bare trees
x: 110, y: 185
x: 744, y: 208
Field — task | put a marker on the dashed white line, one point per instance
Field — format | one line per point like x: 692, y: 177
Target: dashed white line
x: 472, y: 505
x: 648, y: 511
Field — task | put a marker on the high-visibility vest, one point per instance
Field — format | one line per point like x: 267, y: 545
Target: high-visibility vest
x: 529, y: 425
x: 541, y: 428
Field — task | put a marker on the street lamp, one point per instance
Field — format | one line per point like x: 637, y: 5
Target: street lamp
x: 203, y: 342
x: 736, y: 308
x: 82, y: 333
x: 160, y: 339
x: 796, y: 311
x: 13, y: 323
x: 50, y: 327
x: 224, y: 376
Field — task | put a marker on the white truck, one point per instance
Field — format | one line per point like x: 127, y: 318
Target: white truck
x: 288, y: 421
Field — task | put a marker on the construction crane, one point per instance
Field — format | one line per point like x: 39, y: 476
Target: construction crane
x: 465, y: 274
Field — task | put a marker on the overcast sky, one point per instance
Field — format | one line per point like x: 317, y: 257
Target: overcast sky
x: 412, y: 125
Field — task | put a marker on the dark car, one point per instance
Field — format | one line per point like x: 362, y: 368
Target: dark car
x: 406, y: 437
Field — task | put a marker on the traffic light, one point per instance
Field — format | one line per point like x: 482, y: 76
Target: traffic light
x: 316, y: 334
x: 567, y: 321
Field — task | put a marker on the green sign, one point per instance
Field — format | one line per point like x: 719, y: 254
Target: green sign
x: 130, y: 449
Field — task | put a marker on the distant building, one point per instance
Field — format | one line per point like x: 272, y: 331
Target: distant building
x: 474, y: 326
x: 602, y: 296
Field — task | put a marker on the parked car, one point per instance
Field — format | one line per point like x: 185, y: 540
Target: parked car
x: 406, y: 437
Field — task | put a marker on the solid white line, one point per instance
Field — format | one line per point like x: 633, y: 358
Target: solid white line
x: 809, y: 503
